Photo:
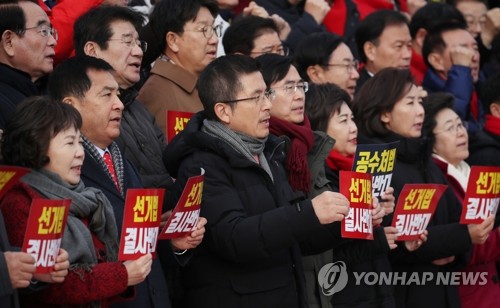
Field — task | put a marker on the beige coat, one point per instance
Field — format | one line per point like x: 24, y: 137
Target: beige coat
x: 169, y: 87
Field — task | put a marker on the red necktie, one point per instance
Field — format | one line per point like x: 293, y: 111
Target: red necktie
x: 111, y: 168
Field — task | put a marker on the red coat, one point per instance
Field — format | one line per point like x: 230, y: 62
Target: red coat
x: 104, y: 283
x: 62, y: 17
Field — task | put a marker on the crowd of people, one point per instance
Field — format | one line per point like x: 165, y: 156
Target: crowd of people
x: 270, y: 98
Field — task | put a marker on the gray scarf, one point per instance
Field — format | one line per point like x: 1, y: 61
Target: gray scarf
x: 241, y: 143
x: 86, y: 203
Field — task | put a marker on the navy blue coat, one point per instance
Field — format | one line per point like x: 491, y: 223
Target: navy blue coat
x: 153, y: 291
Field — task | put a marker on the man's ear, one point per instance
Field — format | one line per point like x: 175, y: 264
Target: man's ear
x: 316, y: 73
x: 370, y: 51
x: 419, y: 37
x: 385, y: 117
x: 495, y: 109
x: 7, y: 42
x: 171, y: 39
x: 224, y: 112
x: 436, y: 60
x: 91, y: 49
x: 73, y: 101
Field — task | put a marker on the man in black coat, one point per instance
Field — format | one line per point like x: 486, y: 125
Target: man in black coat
x: 250, y: 256
x: 26, y: 53
x: 383, y: 40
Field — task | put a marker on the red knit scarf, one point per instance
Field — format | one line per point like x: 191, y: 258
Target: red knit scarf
x: 492, y: 125
x: 337, y: 161
x: 302, y: 140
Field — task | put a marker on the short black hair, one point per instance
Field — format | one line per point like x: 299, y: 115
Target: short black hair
x: 433, y: 104
x: 70, y: 78
x: 380, y: 94
x: 489, y: 92
x: 315, y: 49
x: 220, y: 80
x: 274, y: 67
x: 27, y: 134
x: 170, y: 16
x: 434, y: 41
x: 432, y: 14
x: 95, y: 25
x: 322, y: 101
x: 371, y: 28
x: 12, y: 18
x: 240, y: 36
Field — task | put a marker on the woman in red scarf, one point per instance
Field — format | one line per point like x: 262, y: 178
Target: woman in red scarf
x: 328, y: 110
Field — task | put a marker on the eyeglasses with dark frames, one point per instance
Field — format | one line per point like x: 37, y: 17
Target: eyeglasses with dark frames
x: 270, y: 94
x: 208, y: 31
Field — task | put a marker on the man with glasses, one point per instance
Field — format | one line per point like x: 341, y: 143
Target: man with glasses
x: 110, y: 33
x: 250, y: 255
x: 26, y: 54
x: 325, y: 58
x: 186, y: 39
x: 253, y: 36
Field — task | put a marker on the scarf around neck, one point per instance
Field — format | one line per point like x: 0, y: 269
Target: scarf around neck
x: 337, y: 161
x: 241, y: 143
x: 87, y: 203
x: 302, y: 141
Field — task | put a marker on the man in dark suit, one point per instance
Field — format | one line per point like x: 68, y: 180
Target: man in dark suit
x: 87, y: 83
x: 383, y: 40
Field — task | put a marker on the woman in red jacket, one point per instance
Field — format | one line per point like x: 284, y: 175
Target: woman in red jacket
x: 45, y: 136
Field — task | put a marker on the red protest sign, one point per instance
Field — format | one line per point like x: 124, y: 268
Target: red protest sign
x: 415, y: 208
x: 9, y: 175
x: 482, y: 195
x: 185, y: 216
x: 176, y: 121
x: 44, y: 232
x: 141, y: 223
x: 357, y: 187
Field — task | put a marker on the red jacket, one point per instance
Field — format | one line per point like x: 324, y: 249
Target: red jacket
x: 104, y: 283
x: 63, y: 16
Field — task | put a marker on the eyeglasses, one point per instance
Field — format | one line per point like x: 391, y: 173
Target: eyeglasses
x: 455, y: 129
x: 472, y: 21
x: 130, y: 42
x: 279, y: 50
x: 354, y: 65
x: 208, y: 31
x: 45, y: 31
x: 292, y: 88
x: 270, y: 94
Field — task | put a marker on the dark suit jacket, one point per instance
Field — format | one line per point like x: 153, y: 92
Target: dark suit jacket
x: 363, y: 77
x: 153, y: 291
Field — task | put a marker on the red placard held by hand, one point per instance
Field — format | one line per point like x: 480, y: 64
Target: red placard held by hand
x: 44, y: 232
x: 185, y: 216
x: 141, y: 223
